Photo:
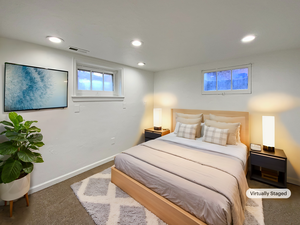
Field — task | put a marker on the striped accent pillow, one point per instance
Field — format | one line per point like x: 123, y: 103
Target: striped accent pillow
x: 187, y: 130
x: 215, y: 135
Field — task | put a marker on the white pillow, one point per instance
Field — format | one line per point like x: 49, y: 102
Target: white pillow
x: 215, y: 135
x: 202, y: 129
x: 176, y: 127
x: 228, y: 119
x: 189, y: 116
x: 187, y: 131
x: 232, y: 129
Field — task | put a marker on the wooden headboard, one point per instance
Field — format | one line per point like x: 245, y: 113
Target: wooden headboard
x: 245, y: 138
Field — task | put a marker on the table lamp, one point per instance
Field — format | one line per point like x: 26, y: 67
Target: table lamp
x: 268, y: 125
x: 157, y: 115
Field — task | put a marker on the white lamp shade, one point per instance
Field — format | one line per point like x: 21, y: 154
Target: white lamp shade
x: 268, y: 125
x: 157, y: 115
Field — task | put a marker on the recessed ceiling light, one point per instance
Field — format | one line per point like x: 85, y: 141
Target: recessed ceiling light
x: 248, y: 38
x: 55, y: 39
x: 136, y: 43
x: 141, y: 64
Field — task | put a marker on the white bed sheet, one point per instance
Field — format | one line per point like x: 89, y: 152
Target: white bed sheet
x: 238, y: 151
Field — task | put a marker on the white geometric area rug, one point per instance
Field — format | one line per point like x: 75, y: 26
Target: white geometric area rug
x: 107, y: 204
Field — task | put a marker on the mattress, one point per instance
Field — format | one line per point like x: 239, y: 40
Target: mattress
x: 203, y: 179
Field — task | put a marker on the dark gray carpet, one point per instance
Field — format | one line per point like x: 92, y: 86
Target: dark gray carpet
x: 96, y: 191
x: 280, y: 211
x: 59, y: 205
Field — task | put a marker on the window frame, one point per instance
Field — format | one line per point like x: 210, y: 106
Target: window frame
x: 96, y: 95
x: 223, y: 92
x: 97, y: 70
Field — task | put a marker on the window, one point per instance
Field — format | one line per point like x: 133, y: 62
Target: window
x: 94, y: 80
x: 230, y: 80
x: 97, y: 83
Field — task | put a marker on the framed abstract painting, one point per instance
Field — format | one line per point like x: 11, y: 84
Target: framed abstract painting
x: 33, y: 88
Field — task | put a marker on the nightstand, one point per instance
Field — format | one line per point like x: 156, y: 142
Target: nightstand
x: 261, y: 162
x: 151, y: 134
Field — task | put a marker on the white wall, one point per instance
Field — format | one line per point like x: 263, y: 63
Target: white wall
x: 277, y: 72
x: 75, y: 142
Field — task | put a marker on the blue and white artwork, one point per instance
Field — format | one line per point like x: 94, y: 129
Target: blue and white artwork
x: 28, y: 88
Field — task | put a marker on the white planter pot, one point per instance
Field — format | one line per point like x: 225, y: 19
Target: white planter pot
x: 16, y: 189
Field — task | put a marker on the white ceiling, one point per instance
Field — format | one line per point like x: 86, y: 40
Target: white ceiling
x: 175, y: 33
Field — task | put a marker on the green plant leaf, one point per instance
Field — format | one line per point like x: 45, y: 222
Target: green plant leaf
x: 27, y: 167
x: 39, y: 144
x: 22, y: 137
x: 32, y: 146
x: 22, y: 147
x: 20, y: 118
x: 38, y: 158
x: 37, y: 154
x: 34, y: 129
x: 12, y: 135
x: 9, y: 160
x: 27, y: 124
x: 35, y: 138
x: 14, y: 118
x: 21, y: 127
x: 3, y: 132
x: 11, y: 171
x: 9, y: 128
x: 26, y: 155
x: 7, y: 123
x: 7, y: 148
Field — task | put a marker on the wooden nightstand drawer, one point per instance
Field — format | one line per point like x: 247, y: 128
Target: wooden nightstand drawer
x: 269, y: 162
x: 152, y: 135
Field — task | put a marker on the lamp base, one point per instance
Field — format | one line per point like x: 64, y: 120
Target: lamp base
x: 268, y: 148
x: 157, y: 128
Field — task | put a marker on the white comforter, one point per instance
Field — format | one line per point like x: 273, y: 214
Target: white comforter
x: 238, y: 151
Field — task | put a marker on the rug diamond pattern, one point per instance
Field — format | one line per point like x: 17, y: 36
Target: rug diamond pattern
x: 107, y: 204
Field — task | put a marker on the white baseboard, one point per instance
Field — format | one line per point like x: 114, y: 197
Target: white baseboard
x: 293, y: 181
x: 68, y: 175
x: 91, y: 166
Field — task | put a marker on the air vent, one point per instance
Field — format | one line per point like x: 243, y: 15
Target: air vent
x: 75, y: 49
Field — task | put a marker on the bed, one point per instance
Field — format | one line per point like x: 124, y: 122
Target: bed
x: 188, y: 181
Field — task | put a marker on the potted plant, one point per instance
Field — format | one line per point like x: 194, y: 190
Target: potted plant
x: 19, y: 156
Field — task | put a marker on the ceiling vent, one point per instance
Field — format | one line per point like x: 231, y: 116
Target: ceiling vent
x: 75, y: 49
